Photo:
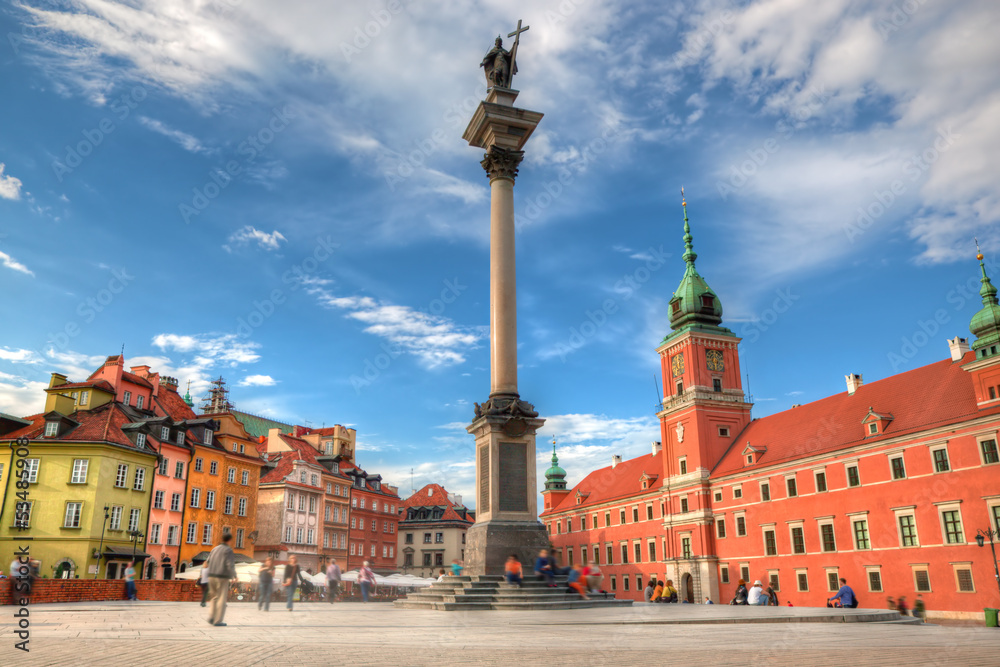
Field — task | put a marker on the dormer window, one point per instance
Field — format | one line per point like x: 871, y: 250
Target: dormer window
x: 128, y: 398
x: 138, y: 401
x: 51, y: 429
x: 875, y: 423
x: 873, y: 428
x: 164, y: 433
x: 84, y: 397
x: 707, y: 301
x: 676, y: 306
x: 180, y: 437
x: 208, y: 436
x: 140, y: 439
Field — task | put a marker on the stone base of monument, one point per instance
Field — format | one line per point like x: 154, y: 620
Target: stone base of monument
x: 471, y: 593
x: 490, y: 543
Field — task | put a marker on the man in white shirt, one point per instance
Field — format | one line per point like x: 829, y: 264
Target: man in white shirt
x: 756, y: 595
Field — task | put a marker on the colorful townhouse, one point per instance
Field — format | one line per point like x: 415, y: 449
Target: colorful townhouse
x: 432, y: 526
x: 886, y: 484
x: 334, y: 446
x: 374, y: 522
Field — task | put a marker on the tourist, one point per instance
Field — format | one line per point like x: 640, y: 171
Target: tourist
x: 130, y: 592
x: 708, y: 600
x: 456, y: 568
x: 265, y: 584
x: 333, y: 576
x: 890, y: 603
x: 845, y: 596
x: 203, y: 583
x: 756, y: 596
x: 575, y: 574
x: 367, y: 579
x: 544, y: 568
x: 772, y: 596
x: 789, y: 603
x: 669, y: 592
x: 647, y: 593
x: 657, y: 592
x: 901, y: 606
x: 441, y: 574
x: 513, y: 570
x: 919, y: 608
x: 594, y: 578
x: 221, y: 566
x: 290, y: 580
x: 741, y: 593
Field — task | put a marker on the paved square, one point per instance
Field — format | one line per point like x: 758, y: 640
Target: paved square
x: 175, y: 633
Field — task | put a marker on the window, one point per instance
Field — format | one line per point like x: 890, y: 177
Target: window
x: 72, y: 518
x: 872, y: 428
x: 832, y: 581
x: 745, y: 572
x: 874, y: 581
x: 198, y: 463
x: 245, y: 478
x: 861, y: 539
x: 158, y: 500
x: 569, y: 525
x: 195, y: 497
x: 853, y: 478
x: 718, y: 496
x: 940, y: 457
x: 952, y: 521
x: 988, y: 448
x: 180, y: 437
x: 908, y: 530
x: 172, y: 535
x: 716, y: 385
x: 898, y: 469
x: 154, y: 533
x: 741, y: 527
x: 302, y: 476
x: 820, y: 482
x: 792, y: 487
x: 720, y: 528
x: 299, y: 534
x: 288, y: 537
x: 963, y: 578
x: 227, y: 507
x: 239, y: 538
x: 685, y: 547
x: 208, y: 436
x: 179, y: 470
x: 427, y: 538
x: 116, y: 518
x: 650, y: 547
x: 362, y: 503
x: 921, y: 580
x: 139, y: 483
x: 723, y: 431
x: 683, y: 465
x: 625, y: 582
x: 624, y: 554
x: 192, y: 533
x: 637, y: 549
x: 737, y: 492
x: 140, y: 439
x: 128, y: 398
x: 649, y: 516
x: 607, y: 520
x: 206, y: 534
x: 84, y: 397
x: 827, y: 538
x: 802, y: 580
x: 770, y: 544
x: 765, y: 491
x: 724, y: 574
x: 79, y: 471
x: 684, y: 505
x: 213, y: 468
x: 312, y: 504
x: 175, y: 502
x: 210, y: 500
x: 313, y: 480
x: 231, y: 476
x: 614, y: 583
x: 610, y: 555
x: 773, y: 580
x: 798, y: 540
x: 164, y: 463
x: 621, y: 516
x: 310, y: 534
x: 138, y: 401
x: 164, y: 433
x: 302, y: 502
x: 373, y: 551
x: 134, y: 515
x: 121, y: 479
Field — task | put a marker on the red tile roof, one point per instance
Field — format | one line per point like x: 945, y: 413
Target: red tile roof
x: 103, y: 385
x: 931, y: 396
x: 610, y: 483
x: 173, y: 406
x: 102, y: 424
x: 438, y: 497
x: 135, y: 379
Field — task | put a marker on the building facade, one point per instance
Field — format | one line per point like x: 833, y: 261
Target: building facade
x: 884, y: 484
x: 432, y: 526
x: 374, y: 522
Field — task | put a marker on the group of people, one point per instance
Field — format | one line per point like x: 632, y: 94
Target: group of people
x: 582, y: 579
x: 657, y: 591
x: 756, y: 595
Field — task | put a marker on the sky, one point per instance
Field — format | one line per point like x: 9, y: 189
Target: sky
x: 279, y: 193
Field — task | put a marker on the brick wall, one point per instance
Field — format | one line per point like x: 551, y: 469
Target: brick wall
x: 79, y: 590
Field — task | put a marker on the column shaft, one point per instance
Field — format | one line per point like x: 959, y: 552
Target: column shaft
x: 503, y: 288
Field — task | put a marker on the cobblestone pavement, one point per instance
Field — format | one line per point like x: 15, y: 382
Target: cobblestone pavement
x: 173, y: 633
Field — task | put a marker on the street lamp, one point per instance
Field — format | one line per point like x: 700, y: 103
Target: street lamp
x: 135, y: 536
x: 981, y: 537
x: 100, y: 549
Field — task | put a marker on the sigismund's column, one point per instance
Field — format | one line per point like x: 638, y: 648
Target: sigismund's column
x: 504, y: 426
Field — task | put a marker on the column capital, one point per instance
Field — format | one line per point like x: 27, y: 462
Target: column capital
x: 501, y: 162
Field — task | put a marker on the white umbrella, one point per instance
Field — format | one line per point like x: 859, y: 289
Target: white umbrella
x: 349, y: 576
x: 190, y: 575
x: 319, y: 579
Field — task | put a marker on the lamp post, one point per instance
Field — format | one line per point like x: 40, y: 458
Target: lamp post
x: 981, y: 537
x: 100, y: 549
x: 135, y: 536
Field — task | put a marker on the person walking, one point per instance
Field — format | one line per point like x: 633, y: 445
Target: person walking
x: 919, y: 608
x: 130, y: 592
x: 290, y: 580
x: 221, y: 566
x: 513, y: 571
x: 367, y: 579
x: 845, y: 596
x: 265, y: 584
x: 203, y: 583
x: 333, y: 579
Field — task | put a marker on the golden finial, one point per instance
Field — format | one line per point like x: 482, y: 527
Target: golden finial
x: 683, y: 200
x: 979, y: 253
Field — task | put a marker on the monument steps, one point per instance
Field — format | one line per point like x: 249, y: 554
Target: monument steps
x: 492, y: 592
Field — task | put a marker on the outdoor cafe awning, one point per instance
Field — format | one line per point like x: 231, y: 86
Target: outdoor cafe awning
x: 112, y: 552
x: 202, y: 556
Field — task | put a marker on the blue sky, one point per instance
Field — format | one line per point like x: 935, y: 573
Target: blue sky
x: 279, y: 193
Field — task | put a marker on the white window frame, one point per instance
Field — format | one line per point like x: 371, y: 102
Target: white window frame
x: 139, y: 480
x: 854, y: 518
x: 139, y: 401
x: 792, y: 525
x: 245, y: 478
x: 921, y: 567
x: 79, y: 475
x: 158, y: 497
x: 835, y: 571
x: 242, y: 507
x: 868, y: 579
x: 737, y: 491
x: 947, y: 456
x: 173, y: 535
x: 206, y: 533
x: 721, y: 519
x: 979, y: 447
x: 765, y: 483
x: 84, y: 397
x: 213, y: 467
x: 127, y: 398
x: 134, y: 518
x: 826, y: 521
x: 736, y: 524
x: 910, y: 511
x: 764, y: 529
x: 892, y: 457
x: 231, y: 475
x: 228, y: 505
x: 121, y: 477
x: 77, y: 514
x: 164, y: 433
x: 195, y: 498
x: 798, y: 585
x: 116, y: 517
x: 210, y: 499
x: 950, y: 506
x: 51, y: 429
x: 847, y: 475
x: 826, y: 480
x: 154, y: 533
x: 794, y: 479
x: 955, y: 567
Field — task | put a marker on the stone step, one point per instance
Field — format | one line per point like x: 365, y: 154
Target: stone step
x: 510, y: 606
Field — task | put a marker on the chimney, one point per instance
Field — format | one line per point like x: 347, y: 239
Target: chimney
x: 57, y: 379
x: 854, y: 382
x: 615, y: 460
x: 656, y: 447
x: 958, y: 347
x: 169, y: 383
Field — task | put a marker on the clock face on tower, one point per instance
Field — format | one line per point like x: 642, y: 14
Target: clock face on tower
x: 677, y: 364
x: 713, y: 359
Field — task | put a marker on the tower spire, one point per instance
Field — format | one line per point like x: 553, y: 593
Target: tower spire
x: 555, y: 477
x: 689, y: 254
x: 985, y: 324
x: 987, y: 291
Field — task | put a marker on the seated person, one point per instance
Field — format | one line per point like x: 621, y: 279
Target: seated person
x: 669, y: 592
x: 544, y: 568
x: 513, y: 570
x: 574, y: 581
x: 594, y: 577
x: 657, y: 592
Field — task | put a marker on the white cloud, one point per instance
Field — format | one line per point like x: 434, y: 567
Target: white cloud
x: 186, y: 141
x: 10, y: 187
x: 11, y: 263
x: 21, y: 397
x: 19, y: 355
x: 436, y: 341
x: 211, y: 349
x: 248, y: 234
x: 257, y: 381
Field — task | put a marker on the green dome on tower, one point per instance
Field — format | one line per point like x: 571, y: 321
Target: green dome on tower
x: 985, y: 324
x: 694, y: 306
x: 555, y: 477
